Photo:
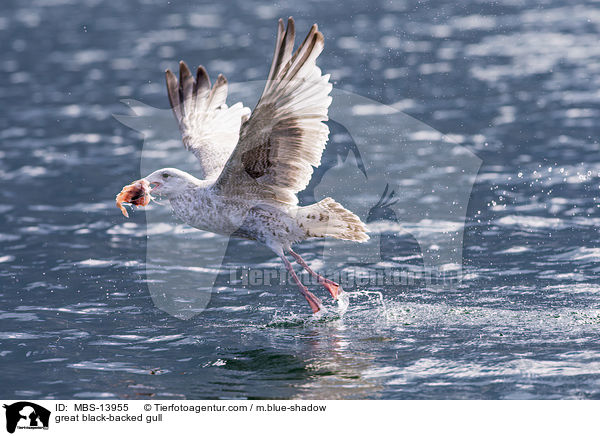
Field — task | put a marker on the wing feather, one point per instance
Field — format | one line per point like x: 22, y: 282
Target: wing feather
x: 285, y: 136
x: 209, y: 128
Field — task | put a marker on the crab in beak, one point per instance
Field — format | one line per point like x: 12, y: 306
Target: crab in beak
x: 137, y: 193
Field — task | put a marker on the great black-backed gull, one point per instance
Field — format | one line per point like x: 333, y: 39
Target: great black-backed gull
x: 253, y: 164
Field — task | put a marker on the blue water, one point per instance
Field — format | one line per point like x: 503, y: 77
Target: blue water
x: 515, y: 83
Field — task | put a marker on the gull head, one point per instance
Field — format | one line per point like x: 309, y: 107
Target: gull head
x: 170, y: 182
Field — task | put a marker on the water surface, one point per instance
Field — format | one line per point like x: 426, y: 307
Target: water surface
x: 514, y: 83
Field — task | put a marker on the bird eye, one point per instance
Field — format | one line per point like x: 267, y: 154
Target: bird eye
x: 165, y: 175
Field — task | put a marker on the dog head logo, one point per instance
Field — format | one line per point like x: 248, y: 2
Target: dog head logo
x: 26, y: 415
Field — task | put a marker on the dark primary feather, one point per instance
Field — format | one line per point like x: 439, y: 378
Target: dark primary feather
x: 183, y: 94
x: 283, y: 47
x: 173, y: 93
x: 202, y: 81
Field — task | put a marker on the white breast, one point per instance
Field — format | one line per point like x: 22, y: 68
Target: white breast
x: 202, y: 209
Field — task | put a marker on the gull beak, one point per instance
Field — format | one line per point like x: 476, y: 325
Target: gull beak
x: 154, y: 186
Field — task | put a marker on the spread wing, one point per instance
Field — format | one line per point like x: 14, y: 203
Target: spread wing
x: 209, y: 128
x: 285, y: 136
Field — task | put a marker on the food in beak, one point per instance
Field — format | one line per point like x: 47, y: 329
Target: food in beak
x: 138, y: 194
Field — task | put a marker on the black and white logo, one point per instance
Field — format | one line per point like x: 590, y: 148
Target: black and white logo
x: 26, y: 415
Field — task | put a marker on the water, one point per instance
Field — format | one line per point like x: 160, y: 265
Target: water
x: 515, y: 83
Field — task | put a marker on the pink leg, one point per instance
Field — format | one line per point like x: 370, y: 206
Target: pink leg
x: 333, y: 288
x: 313, y: 301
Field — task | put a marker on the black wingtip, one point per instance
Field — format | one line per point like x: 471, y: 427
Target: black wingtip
x: 184, y: 71
x: 290, y: 23
x: 202, y: 80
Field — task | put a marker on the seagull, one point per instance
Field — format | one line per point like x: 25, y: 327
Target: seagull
x: 253, y: 164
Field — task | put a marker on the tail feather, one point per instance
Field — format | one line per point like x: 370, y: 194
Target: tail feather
x: 327, y: 218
